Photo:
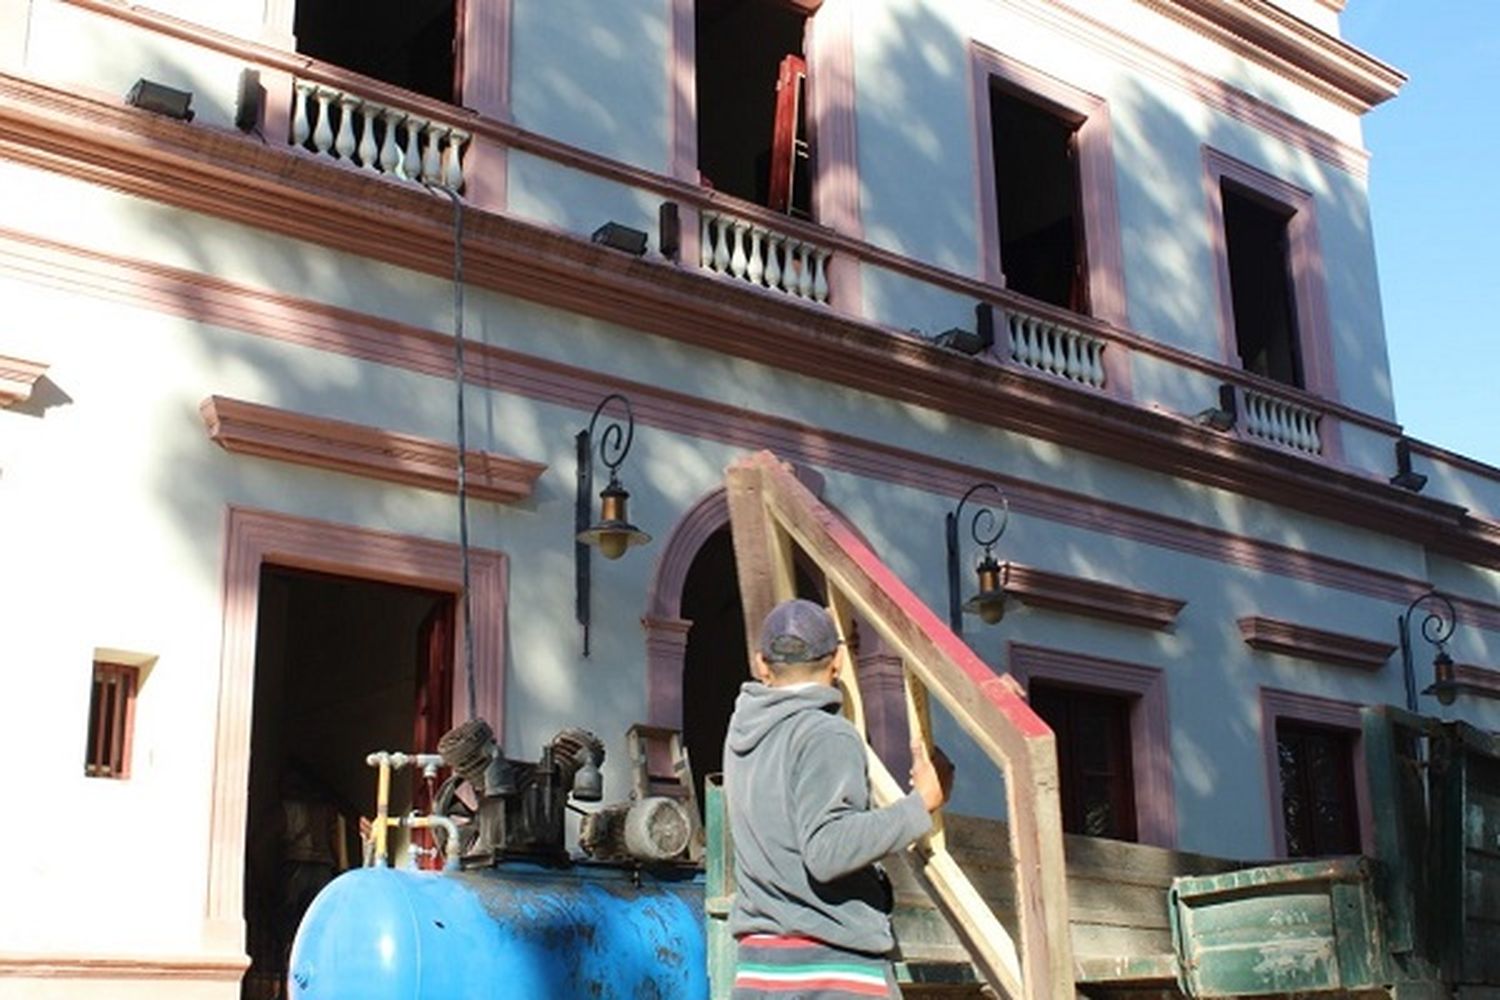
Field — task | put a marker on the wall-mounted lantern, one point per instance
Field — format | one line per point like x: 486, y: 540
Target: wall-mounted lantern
x: 612, y: 533
x: 1437, y: 628
x: 985, y: 528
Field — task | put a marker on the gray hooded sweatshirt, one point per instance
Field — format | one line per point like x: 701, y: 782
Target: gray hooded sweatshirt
x: 805, y: 837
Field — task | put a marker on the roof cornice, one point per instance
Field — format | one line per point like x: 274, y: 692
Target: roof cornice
x: 226, y: 175
x: 1285, y: 44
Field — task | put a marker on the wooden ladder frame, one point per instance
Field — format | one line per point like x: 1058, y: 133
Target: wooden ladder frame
x: 771, y: 515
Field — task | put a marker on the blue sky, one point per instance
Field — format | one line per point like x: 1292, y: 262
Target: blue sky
x: 1435, y: 197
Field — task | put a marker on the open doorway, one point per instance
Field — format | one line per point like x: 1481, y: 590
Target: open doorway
x: 716, y: 660
x: 751, y: 99
x: 410, y: 43
x: 343, y: 667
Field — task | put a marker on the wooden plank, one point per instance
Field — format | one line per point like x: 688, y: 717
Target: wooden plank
x: 989, y: 943
x: 919, y: 725
x: 988, y: 709
x: 758, y: 553
x: 854, y: 699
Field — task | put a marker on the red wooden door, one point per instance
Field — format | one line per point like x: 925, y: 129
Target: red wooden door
x: 433, y: 713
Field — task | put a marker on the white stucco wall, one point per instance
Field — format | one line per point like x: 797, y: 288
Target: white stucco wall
x: 121, y: 497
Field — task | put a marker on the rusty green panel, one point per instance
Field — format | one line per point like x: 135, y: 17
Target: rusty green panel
x: 1395, y: 743
x: 1466, y: 804
x: 718, y: 889
x: 1295, y: 928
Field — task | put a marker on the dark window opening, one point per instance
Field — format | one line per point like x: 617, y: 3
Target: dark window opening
x: 1038, y: 195
x: 716, y: 660
x: 1318, y: 811
x: 1092, y: 729
x: 752, y: 88
x: 1260, y: 285
x: 111, y: 721
x: 408, y: 43
x: 343, y: 666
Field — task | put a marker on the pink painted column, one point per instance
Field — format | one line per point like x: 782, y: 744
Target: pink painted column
x: 884, y: 691
x: 278, y: 30
x: 666, y: 649
x: 484, y: 41
x: 682, y: 112
x: 835, y: 146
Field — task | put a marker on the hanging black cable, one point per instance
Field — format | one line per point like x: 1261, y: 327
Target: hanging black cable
x: 463, y: 491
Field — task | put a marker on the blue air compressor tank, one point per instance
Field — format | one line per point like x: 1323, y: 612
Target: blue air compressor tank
x: 515, y: 932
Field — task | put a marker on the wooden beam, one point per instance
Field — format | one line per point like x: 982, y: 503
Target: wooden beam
x: 854, y: 700
x: 989, y: 709
x: 989, y: 944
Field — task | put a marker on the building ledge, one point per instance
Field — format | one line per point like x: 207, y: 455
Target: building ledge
x: 17, y: 378
x: 61, y: 965
x: 1090, y: 598
x: 1477, y: 681
x: 302, y: 439
x: 1287, y: 45
x: 229, y: 176
x: 1271, y: 636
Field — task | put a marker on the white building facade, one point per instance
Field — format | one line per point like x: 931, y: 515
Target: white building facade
x: 227, y: 408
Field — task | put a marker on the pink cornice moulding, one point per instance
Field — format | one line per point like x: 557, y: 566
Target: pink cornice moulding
x: 1271, y: 636
x: 1090, y: 598
x: 1477, y: 681
x: 251, y: 429
x: 17, y: 378
x: 279, y: 317
x: 1264, y: 33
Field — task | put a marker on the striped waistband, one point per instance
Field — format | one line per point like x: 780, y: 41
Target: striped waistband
x: 792, y: 964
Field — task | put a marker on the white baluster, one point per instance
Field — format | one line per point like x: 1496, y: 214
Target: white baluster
x: 820, y: 275
x: 453, y: 164
x: 301, y: 127
x: 411, y: 164
x: 790, y: 282
x: 1314, y: 436
x: 757, y: 265
x: 1045, y: 359
x: 1071, y: 362
x: 805, y: 279
x: 390, y: 150
x: 432, y: 159
x: 323, y: 132
x: 721, y: 246
x: 775, y: 246
x: 1096, y: 363
x: 1301, y: 430
x: 705, y: 240
x: 737, y: 259
x: 367, y: 148
x: 344, y: 143
x: 1283, y: 422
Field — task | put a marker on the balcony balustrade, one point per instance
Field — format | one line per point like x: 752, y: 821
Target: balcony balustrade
x: 762, y: 256
x: 1045, y: 345
x: 1280, y: 421
x: 377, y: 137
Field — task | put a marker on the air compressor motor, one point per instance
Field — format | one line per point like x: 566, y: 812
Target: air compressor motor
x: 516, y: 807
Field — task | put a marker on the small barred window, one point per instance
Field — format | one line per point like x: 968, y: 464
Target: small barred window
x: 111, y: 720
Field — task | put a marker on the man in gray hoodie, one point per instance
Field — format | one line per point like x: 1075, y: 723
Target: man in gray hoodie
x: 811, y: 909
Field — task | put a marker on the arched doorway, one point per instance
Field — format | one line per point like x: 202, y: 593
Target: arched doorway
x: 716, y: 657
x: 696, y: 649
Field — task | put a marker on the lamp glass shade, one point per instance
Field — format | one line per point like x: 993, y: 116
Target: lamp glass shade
x: 1444, y: 686
x: 613, y: 533
x: 989, y: 603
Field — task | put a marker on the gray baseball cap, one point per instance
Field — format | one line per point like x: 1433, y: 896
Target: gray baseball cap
x: 798, y: 631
